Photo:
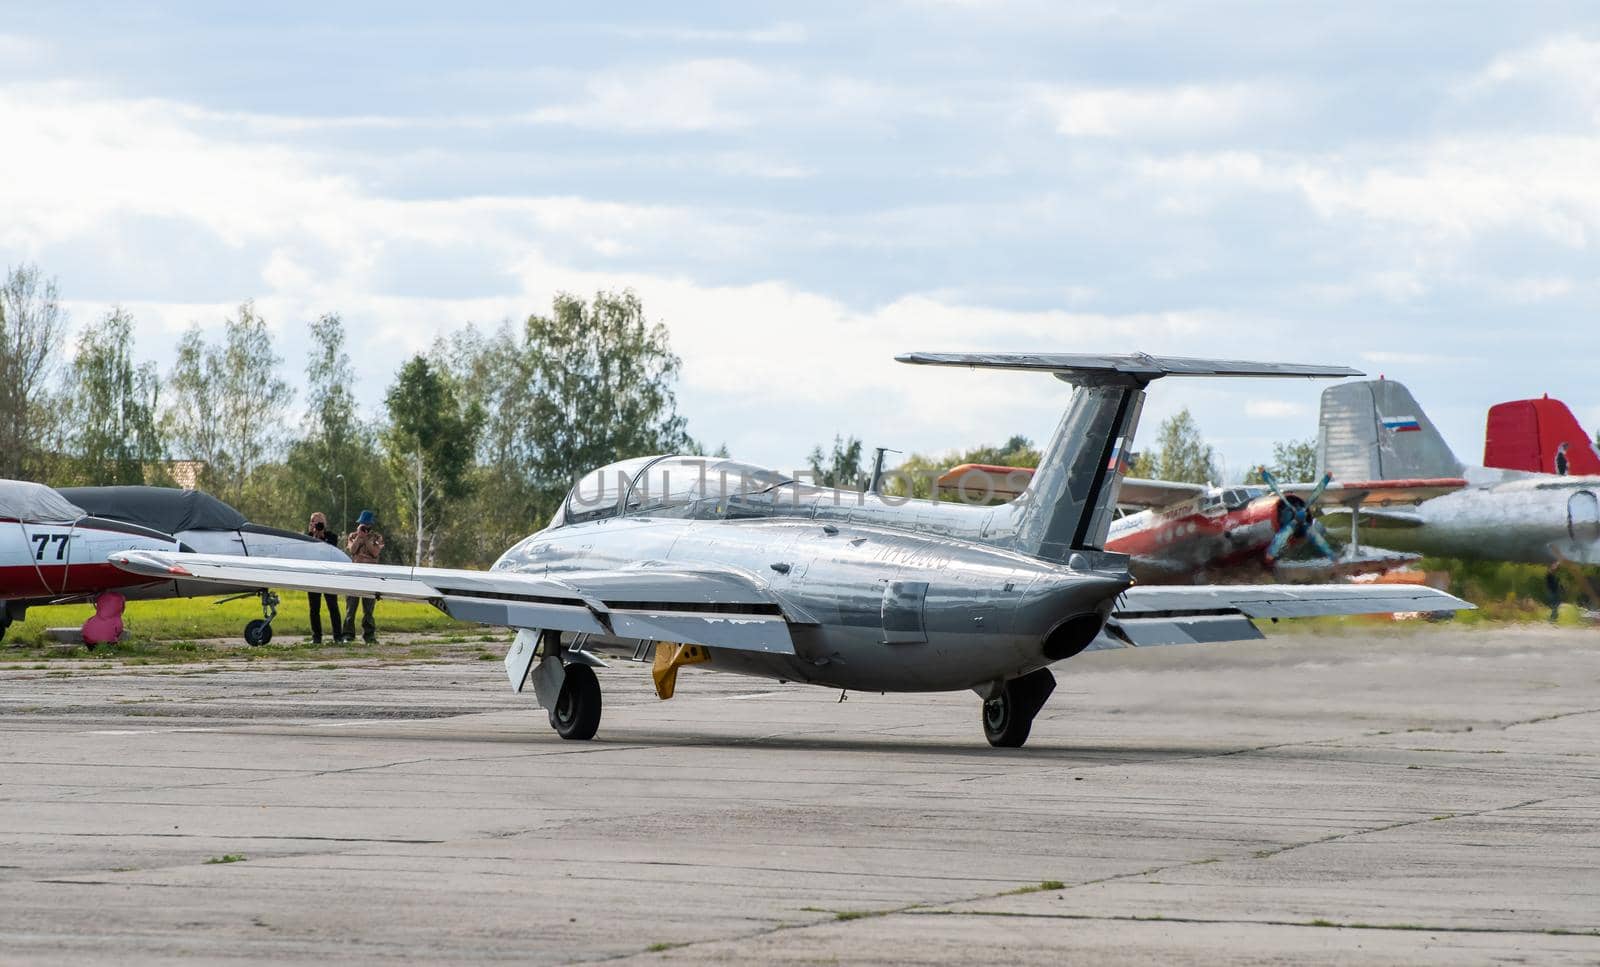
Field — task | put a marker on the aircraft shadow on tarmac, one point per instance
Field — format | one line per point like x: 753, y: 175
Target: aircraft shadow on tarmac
x: 1047, y: 750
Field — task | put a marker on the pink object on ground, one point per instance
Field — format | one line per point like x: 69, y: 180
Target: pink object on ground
x: 106, y: 625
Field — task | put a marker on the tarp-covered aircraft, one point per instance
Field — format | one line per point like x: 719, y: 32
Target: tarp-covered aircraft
x: 737, y: 568
x: 55, y: 544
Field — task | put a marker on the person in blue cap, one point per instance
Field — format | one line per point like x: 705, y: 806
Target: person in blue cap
x: 365, y: 546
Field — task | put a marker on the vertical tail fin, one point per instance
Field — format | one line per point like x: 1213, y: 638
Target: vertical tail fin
x: 1527, y: 435
x: 1069, y: 503
x: 1375, y: 430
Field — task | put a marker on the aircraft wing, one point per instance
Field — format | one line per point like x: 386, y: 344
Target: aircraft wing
x: 1380, y: 493
x: 703, y: 606
x: 986, y: 479
x: 1146, y: 615
x: 1382, y: 518
x: 997, y: 481
x: 1137, y: 492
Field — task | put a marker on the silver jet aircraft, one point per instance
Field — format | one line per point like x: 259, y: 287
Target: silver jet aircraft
x: 741, y: 569
x: 1377, y: 427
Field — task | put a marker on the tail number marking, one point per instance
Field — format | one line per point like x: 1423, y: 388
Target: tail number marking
x: 45, y: 540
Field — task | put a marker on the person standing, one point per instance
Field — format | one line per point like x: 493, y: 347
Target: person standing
x: 1561, y: 459
x: 1552, y: 586
x: 364, y: 546
x: 317, y: 530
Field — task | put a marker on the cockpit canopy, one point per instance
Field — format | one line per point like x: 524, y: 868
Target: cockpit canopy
x: 1231, y: 499
x: 672, y: 486
x: 1235, y: 497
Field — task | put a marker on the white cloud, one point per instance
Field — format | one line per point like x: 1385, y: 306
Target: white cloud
x: 1462, y: 187
x: 1533, y: 289
x: 778, y: 33
x: 17, y: 51
x: 1563, y: 69
x: 1452, y: 189
x: 697, y: 95
x: 771, y: 367
x: 1276, y: 409
x: 1162, y: 112
x: 710, y: 94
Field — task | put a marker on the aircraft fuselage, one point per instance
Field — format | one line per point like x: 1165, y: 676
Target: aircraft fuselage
x: 874, y: 608
x: 1189, y: 539
x: 1533, y: 521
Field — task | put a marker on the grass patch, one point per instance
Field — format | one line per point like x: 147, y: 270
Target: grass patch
x: 857, y: 914
x: 1042, y: 886
x: 226, y: 858
x: 189, y: 619
x: 663, y: 945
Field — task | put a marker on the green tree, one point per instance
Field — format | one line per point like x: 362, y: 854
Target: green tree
x: 32, y: 328
x: 112, y: 405
x: 915, y: 475
x: 1293, y: 461
x: 431, y: 440
x: 228, y: 408
x: 1180, y: 454
x: 840, y: 468
x: 335, y: 464
x: 563, y: 394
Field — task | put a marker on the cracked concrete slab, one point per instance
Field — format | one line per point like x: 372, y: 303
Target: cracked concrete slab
x: 1416, y: 795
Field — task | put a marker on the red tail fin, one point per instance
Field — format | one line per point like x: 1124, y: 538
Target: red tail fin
x: 1526, y: 434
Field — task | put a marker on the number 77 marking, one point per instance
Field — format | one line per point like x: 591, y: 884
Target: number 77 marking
x: 43, y: 540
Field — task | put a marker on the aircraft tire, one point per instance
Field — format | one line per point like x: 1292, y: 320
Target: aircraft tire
x: 258, y: 632
x: 5, y: 623
x: 1002, y: 726
x: 576, y: 715
x: 1008, y: 718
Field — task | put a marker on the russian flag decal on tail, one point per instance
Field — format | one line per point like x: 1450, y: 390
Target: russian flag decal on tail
x: 1402, y: 424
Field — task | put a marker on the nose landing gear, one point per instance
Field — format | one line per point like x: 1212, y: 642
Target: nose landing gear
x: 1008, y: 716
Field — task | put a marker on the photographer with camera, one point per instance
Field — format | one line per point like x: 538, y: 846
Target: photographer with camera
x: 364, y: 546
x: 318, y: 530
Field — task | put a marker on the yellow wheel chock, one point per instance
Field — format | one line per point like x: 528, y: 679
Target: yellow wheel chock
x: 671, y: 656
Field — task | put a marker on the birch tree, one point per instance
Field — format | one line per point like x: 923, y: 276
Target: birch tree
x: 113, y: 406
x: 32, y: 329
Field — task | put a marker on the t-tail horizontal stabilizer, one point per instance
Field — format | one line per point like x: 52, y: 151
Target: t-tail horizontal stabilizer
x: 1136, y: 367
x: 1068, y: 505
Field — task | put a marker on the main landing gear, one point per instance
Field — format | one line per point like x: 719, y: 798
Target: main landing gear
x: 563, y: 680
x: 9, y: 613
x: 259, y: 631
x: 576, y: 712
x: 1008, y: 716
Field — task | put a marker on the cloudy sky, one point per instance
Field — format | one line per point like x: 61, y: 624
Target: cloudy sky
x: 1413, y: 189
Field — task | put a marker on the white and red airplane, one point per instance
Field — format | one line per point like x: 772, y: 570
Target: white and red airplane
x: 54, y: 545
x: 1183, y: 533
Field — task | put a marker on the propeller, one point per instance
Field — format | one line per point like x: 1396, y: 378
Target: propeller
x: 1295, y: 521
